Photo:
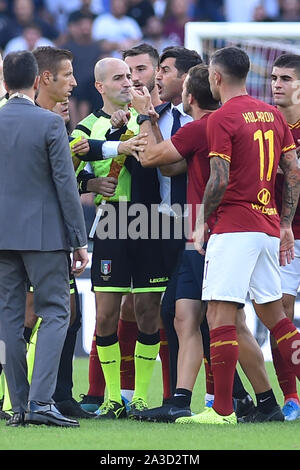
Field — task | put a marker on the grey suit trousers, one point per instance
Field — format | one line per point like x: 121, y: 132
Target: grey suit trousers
x: 48, y: 273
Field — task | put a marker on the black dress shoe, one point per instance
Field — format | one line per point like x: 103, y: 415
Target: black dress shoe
x: 17, y: 419
x: 163, y: 414
x: 47, y: 413
x: 72, y: 409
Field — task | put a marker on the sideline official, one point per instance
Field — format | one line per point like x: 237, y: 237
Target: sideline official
x: 41, y: 218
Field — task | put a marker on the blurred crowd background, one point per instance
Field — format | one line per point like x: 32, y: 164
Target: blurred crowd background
x: 93, y: 29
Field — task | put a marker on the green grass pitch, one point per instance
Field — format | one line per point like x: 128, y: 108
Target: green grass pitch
x: 131, y: 435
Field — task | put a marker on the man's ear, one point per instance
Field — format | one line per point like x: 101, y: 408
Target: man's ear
x: 217, y: 78
x: 36, y: 83
x: 45, y: 77
x: 99, y: 86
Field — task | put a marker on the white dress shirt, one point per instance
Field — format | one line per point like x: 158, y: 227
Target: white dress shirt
x: 165, y: 123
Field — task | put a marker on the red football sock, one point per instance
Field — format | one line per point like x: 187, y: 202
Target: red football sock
x: 96, y: 377
x: 285, y: 375
x: 127, y: 334
x: 288, y: 341
x: 223, y: 358
x: 209, y: 378
x: 165, y: 364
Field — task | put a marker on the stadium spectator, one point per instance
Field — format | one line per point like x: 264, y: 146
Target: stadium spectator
x: 237, y: 11
x: 159, y: 7
x: 140, y: 11
x: 177, y: 14
x: 115, y: 30
x: 61, y: 9
x: 260, y: 14
x: 208, y: 10
x: 30, y: 39
x: 289, y: 10
x: 23, y: 15
x: 86, y: 53
x: 154, y: 34
x: 4, y: 23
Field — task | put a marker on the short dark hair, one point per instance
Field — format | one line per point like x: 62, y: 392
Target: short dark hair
x: 184, y: 58
x: 290, y: 61
x: 49, y: 58
x: 143, y: 48
x: 198, y: 86
x: 233, y: 60
x: 20, y: 70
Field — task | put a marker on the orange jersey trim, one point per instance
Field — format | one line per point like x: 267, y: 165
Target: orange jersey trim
x: 223, y: 343
x: 288, y: 335
x: 290, y: 147
x: 221, y: 155
x: 294, y: 126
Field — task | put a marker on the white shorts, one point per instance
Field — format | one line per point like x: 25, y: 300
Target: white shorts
x: 290, y: 274
x: 241, y: 262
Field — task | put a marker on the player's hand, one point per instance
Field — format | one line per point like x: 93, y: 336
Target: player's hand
x: 286, y: 250
x: 141, y: 100
x: 82, y: 147
x: 103, y: 185
x: 133, y: 146
x: 200, y: 235
x: 153, y: 114
x: 79, y: 261
x: 119, y: 118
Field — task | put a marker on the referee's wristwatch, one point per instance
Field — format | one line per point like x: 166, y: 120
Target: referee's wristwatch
x: 142, y: 117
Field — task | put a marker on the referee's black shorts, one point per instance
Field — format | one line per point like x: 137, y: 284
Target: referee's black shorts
x: 123, y: 264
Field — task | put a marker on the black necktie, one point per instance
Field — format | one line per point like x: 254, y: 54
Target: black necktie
x: 176, y: 120
x: 178, y: 183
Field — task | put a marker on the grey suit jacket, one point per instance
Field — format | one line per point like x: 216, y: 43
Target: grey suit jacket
x: 40, y: 208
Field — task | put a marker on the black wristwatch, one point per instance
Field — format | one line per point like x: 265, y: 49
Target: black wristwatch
x: 142, y: 117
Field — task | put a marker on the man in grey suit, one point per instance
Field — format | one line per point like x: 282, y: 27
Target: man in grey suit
x: 41, y: 219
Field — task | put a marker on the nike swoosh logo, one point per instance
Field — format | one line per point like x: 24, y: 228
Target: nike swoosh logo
x: 265, y: 399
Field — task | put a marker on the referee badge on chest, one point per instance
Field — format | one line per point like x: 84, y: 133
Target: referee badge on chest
x: 105, y: 269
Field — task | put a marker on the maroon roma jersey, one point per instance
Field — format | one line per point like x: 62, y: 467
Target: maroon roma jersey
x: 295, y: 130
x: 251, y: 135
x: 191, y: 142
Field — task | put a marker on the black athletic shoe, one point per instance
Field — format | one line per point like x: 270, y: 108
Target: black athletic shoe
x: 258, y: 417
x: 72, y: 409
x: 163, y: 414
x: 243, y: 407
x: 90, y: 403
x: 111, y: 409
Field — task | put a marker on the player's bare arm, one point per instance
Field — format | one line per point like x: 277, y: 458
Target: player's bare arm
x: 290, y: 194
x: 216, y: 185
x: 174, y: 169
x: 289, y: 164
x: 213, y: 194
